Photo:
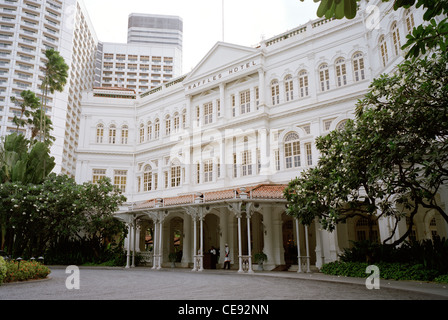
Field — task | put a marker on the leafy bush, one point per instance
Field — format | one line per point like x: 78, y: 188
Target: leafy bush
x: 393, y: 271
x: 442, y: 279
x: 3, y: 269
x: 430, y: 254
x: 27, y: 270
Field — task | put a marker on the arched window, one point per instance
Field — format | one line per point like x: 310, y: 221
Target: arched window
x: 167, y: 125
x: 409, y: 21
x: 112, y: 134
x: 289, y: 88
x: 147, y: 178
x: 341, y: 72
x: 358, y: 66
x: 99, y: 133
x: 176, y: 124
x: 396, y: 38
x: 142, y: 132
x: 292, y: 150
x: 383, y: 51
x: 149, y: 131
x: 156, y: 129
x: 275, y: 92
x: 341, y: 125
x: 324, y: 77
x: 124, y: 134
x: 303, y: 83
x: 175, y: 174
x: 184, y: 119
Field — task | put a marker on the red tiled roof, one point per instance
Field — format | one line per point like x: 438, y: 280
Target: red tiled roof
x: 262, y: 191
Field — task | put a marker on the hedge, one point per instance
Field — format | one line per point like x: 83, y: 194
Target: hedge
x: 392, y: 271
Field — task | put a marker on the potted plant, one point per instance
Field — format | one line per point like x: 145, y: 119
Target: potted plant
x: 172, y: 257
x: 260, y: 258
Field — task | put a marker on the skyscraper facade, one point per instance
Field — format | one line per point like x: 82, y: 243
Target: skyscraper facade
x: 27, y: 29
x: 151, y: 57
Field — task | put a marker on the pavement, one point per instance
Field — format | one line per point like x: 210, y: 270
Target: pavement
x: 143, y: 283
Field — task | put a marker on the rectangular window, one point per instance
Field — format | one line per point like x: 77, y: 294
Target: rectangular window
x: 233, y: 105
x: 175, y: 176
x: 245, y: 102
x: 277, y: 159
x: 208, y: 113
x: 303, y: 84
x: 218, y: 108
x: 208, y: 171
x: 198, y: 116
x: 235, y: 168
x: 98, y: 174
x: 257, y: 97
x: 120, y: 179
x: 166, y: 180
x: 309, y: 154
x: 147, y: 181
x: 246, y: 163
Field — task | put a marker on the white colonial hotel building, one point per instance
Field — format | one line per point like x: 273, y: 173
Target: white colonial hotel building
x: 203, y: 160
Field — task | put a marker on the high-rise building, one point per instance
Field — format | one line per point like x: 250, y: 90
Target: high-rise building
x: 155, y: 29
x: 152, y: 56
x: 27, y: 29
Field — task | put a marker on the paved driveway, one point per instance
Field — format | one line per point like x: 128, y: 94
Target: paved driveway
x: 180, y: 284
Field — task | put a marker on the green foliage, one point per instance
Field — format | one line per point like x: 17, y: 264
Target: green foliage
x: 392, y: 271
x: 28, y: 104
x: 3, y: 270
x: 431, y: 254
x: 260, y: 257
x: 26, y: 270
x: 34, y: 217
x: 22, y: 162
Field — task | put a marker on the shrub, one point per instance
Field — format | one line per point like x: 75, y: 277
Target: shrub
x: 3, y: 270
x: 442, y: 279
x: 26, y: 270
x: 393, y: 271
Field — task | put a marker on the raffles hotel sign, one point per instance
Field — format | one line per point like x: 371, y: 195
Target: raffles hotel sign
x: 221, y: 75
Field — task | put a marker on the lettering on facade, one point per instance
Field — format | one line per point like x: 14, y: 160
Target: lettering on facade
x: 221, y: 75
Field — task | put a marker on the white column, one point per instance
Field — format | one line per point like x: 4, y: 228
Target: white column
x: 134, y: 233
x: 299, y: 258
x: 307, y: 250
x: 223, y: 220
x: 240, y: 251
x: 154, y: 245
x: 160, y: 245
x: 186, y: 256
x: 128, y: 254
x: 249, y: 249
x: 201, y: 266
x: 195, y: 244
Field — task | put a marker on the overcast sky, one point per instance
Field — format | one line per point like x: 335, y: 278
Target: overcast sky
x: 246, y: 21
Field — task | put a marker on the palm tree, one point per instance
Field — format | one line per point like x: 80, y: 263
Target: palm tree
x: 56, y: 73
x: 28, y: 105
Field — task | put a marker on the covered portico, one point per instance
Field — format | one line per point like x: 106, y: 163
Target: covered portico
x: 250, y: 220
